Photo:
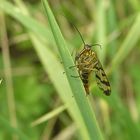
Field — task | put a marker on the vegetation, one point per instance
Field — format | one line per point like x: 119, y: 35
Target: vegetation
x: 40, y: 100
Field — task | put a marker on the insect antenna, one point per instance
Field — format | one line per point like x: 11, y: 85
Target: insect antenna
x: 96, y: 45
x: 82, y: 37
x: 79, y: 34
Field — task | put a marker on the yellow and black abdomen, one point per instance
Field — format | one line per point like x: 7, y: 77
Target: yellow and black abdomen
x: 85, y: 80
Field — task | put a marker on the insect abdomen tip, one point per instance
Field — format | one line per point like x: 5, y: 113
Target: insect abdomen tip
x: 107, y: 92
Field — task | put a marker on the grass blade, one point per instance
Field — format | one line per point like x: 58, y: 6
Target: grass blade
x: 75, y: 84
x: 6, y: 127
x: 128, y: 44
x: 49, y: 115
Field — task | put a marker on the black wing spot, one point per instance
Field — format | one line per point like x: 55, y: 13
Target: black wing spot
x: 104, y: 82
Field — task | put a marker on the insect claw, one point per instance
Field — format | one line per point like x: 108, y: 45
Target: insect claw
x: 72, y: 67
x: 75, y: 76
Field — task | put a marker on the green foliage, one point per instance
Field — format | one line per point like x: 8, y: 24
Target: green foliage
x: 34, y: 83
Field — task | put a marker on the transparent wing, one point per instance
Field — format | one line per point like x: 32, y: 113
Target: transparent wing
x: 102, y: 80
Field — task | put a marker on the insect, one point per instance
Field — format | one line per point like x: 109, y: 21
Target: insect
x: 86, y: 62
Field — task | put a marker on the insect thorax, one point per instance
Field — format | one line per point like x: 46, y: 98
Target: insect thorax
x: 86, y: 60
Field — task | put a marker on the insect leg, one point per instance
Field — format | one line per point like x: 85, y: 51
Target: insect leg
x: 73, y: 66
x: 75, y: 76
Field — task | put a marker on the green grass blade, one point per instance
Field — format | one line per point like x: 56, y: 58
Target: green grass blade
x: 75, y: 84
x: 0, y: 81
x: 101, y: 29
x: 49, y: 115
x: 60, y: 82
x: 84, y: 118
x: 97, y: 18
x: 6, y: 127
x: 27, y: 21
x: 58, y: 78
x: 128, y: 44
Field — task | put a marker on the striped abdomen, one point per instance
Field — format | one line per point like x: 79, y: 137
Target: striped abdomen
x: 84, y: 77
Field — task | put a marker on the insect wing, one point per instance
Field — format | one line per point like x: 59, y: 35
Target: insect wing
x: 102, y: 80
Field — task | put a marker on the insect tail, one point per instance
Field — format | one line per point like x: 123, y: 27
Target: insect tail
x: 86, y: 86
x: 84, y: 77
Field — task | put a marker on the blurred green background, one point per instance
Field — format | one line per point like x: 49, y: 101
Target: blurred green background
x: 30, y: 87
